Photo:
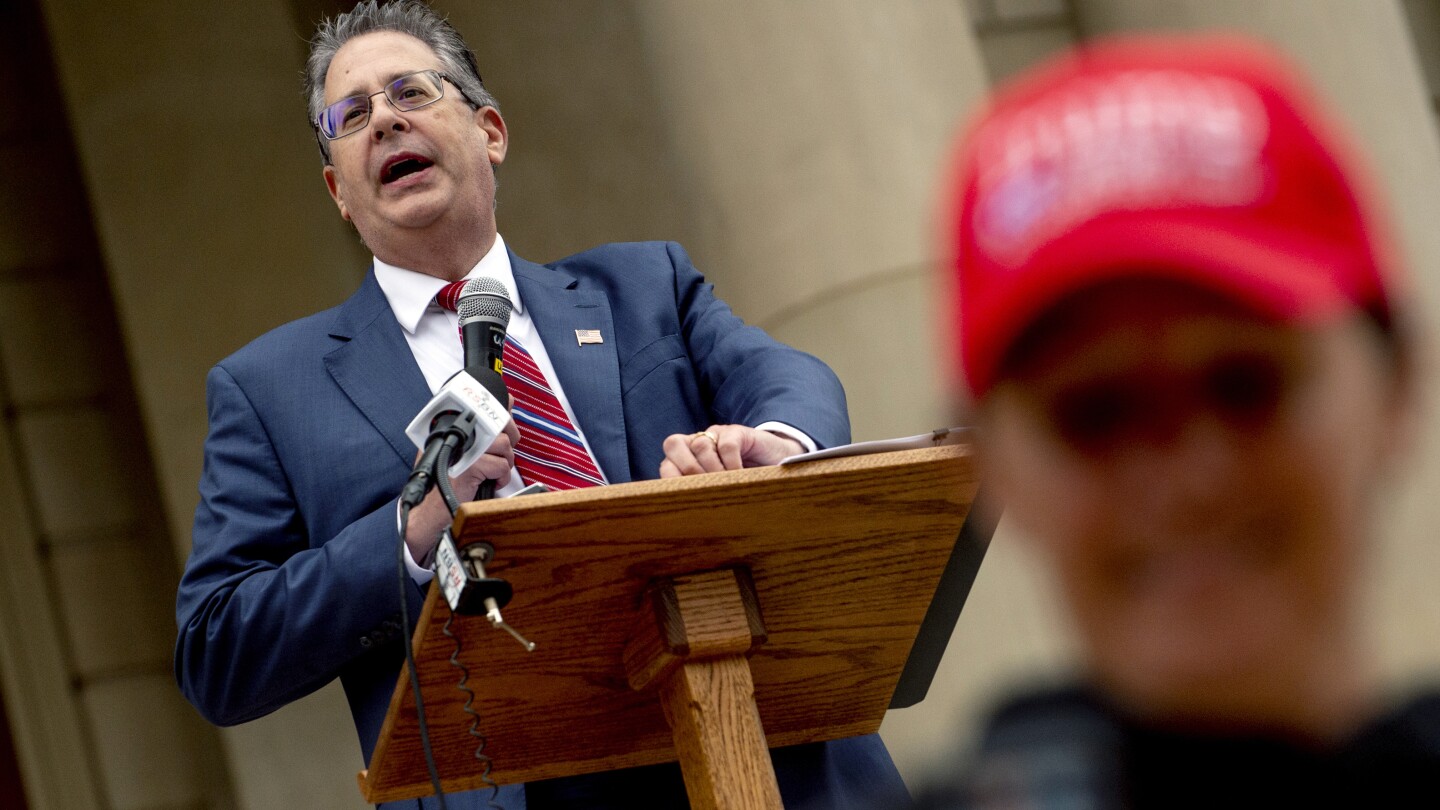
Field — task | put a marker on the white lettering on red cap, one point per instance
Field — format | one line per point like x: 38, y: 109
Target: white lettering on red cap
x: 1132, y: 140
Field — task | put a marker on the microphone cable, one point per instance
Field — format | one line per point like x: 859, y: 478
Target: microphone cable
x: 486, y: 763
x: 453, y: 437
x: 447, y: 491
x: 407, y: 641
x: 446, y: 488
x: 442, y: 478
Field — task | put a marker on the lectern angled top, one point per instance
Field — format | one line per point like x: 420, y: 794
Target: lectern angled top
x: 845, y: 555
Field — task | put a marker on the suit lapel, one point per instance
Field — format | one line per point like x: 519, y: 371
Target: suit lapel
x: 375, y: 368
x: 589, y: 374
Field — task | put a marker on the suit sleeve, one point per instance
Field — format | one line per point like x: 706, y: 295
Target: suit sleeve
x: 265, y: 616
x: 748, y: 377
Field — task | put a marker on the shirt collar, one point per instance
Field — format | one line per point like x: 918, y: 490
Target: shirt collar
x: 412, y: 293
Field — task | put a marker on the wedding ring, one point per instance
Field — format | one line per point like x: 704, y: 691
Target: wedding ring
x: 707, y: 434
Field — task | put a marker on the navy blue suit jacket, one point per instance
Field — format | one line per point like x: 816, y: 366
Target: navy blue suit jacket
x: 292, y: 578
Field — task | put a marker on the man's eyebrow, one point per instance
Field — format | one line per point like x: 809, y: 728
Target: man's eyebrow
x: 360, y: 91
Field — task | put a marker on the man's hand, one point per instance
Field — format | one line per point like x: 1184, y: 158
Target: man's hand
x: 724, y: 447
x: 431, y: 517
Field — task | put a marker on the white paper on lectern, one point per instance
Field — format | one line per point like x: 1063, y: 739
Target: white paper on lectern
x: 935, y: 438
x: 463, y: 393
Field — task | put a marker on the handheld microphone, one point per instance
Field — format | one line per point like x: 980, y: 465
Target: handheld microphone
x: 449, y: 429
x: 464, y: 409
x: 484, y: 308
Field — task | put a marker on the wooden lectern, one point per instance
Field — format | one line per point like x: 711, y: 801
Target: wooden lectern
x: 702, y: 619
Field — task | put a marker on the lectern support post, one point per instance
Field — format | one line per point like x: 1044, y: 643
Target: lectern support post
x: 693, y: 644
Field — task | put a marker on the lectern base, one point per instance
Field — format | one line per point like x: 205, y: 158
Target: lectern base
x: 693, y: 644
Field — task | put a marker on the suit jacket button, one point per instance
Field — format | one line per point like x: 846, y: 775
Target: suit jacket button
x: 365, y: 642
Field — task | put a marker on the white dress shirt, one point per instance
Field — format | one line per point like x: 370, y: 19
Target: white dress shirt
x: 434, y: 332
x: 434, y: 338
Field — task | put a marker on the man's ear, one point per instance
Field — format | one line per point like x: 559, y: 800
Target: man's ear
x: 332, y: 184
x: 497, y: 139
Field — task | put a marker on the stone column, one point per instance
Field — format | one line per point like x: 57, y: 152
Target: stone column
x: 214, y: 226
x: 811, y: 139
x: 205, y: 186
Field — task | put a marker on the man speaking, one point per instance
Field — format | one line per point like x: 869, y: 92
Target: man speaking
x: 626, y: 354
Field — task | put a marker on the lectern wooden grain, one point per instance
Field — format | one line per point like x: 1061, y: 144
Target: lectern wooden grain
x: 648, y: 600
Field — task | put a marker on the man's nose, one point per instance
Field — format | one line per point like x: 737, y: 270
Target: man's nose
x: 1188, y: 472
x: 385, y: 120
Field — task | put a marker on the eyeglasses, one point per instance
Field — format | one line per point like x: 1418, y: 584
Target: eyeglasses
x: 409, y: 92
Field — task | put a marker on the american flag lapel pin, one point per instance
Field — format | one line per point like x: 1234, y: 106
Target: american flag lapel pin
x: 583, y: 336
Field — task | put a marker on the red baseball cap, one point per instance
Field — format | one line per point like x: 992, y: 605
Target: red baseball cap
x: 1199, y: 159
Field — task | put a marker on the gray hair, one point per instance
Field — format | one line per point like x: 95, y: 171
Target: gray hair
x: 411, y: 17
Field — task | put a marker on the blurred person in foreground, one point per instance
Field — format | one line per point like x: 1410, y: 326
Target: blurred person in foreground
x: 1190, y: 361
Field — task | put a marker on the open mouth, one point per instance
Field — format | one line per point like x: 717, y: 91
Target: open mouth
x: 402, y: 166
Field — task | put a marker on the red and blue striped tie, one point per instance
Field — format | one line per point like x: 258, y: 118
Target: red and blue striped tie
x: 550, y: 451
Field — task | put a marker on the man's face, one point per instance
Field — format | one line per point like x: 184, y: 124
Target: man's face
x: 407, y: 171
x: 1199, y: 480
